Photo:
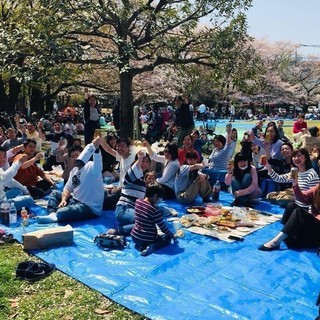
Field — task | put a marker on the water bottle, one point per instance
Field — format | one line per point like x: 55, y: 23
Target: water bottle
x: 216, y: 191
x: 12, y: 215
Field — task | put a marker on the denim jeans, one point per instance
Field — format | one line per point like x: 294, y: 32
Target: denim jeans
x: 73, y: 211
x: 13, y: 192
x: 125, y: 219
x: 22, y: 201
x: 243, y: 184
x: 215, y: 175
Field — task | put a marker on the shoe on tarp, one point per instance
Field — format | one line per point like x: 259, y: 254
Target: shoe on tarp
x: 33, y: 271
x: 7, y: 238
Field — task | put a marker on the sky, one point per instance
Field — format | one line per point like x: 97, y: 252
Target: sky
x: 296, y: 21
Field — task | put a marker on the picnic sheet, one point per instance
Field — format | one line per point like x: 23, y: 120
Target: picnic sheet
x: 246, y: 221
x: 199, y: 278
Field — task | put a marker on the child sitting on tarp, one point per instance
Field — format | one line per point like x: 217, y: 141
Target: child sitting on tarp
x: 147, y: 218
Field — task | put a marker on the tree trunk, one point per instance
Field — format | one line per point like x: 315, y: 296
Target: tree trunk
x: 36, y: 101
x: 3, y: 97
x: 126, y: 108
x: 14, y: 91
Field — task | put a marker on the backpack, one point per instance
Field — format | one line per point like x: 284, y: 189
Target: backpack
x: 110, y: 241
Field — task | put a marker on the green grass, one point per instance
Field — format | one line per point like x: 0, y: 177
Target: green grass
x: 56, y: 297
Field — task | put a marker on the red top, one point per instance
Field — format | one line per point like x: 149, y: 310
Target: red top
x: 29, y: 176
x: 182, y: 155
x: 298, y: 126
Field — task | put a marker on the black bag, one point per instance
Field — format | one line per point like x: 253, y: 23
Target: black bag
x: 110, y: 241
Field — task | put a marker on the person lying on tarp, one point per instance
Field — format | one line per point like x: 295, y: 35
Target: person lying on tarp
x: 147, y: 218
x: 82, y: 196
x: 243, y: 179
x: 302, y: 229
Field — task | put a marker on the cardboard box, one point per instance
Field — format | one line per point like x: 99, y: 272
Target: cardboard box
x: 46, y: 238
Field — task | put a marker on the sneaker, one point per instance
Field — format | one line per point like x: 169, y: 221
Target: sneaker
x: 33, y: 271
x: 114, y: 232
x: 7, y: 238
x: 147, y: 251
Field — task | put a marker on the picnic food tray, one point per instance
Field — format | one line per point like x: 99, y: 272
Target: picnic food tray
x: 231, y: 224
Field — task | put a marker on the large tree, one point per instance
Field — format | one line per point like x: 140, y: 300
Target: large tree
x: 139, y: 36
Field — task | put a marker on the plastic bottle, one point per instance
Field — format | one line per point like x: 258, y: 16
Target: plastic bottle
x: 216, y: 191
x: 25, y: 217
x: 12, y: 215
x: 4, y: 210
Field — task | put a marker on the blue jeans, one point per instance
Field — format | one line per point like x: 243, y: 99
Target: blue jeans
x: 73, y: 211
x: 243, y: 184
x: 215, y: 175
x: 16, y: 196
x: 125, y: 219
x: 13, y: 192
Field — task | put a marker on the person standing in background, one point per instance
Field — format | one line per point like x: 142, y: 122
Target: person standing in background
x: 91, y: 116
x: 184, y: 118
x: 232, y: 112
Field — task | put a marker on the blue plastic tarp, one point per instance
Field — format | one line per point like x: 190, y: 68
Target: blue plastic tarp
x: 199, y: 278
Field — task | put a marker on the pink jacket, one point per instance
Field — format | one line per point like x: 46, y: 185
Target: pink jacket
x: 307, y: 197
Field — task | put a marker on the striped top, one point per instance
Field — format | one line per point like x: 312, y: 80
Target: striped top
x: 133, y: 187
x: 306, y: 180
x: 147, y: 218
x: 219, y: 157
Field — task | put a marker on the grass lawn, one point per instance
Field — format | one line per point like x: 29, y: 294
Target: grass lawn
x: 56, y: 297
x: 59, y: 296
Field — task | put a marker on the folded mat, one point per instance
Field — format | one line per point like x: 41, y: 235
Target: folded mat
x: 200, y: 278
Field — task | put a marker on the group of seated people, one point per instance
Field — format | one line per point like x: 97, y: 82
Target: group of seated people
x: 184, y: 177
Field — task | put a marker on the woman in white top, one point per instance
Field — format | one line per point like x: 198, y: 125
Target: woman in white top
x: 171, y: 167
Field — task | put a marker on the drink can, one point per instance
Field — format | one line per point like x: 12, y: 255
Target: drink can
x: 97, y: 133
x: 263, y: 160
x: 231, y: 164
x: 294, y: 173
x: 267, y: 138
